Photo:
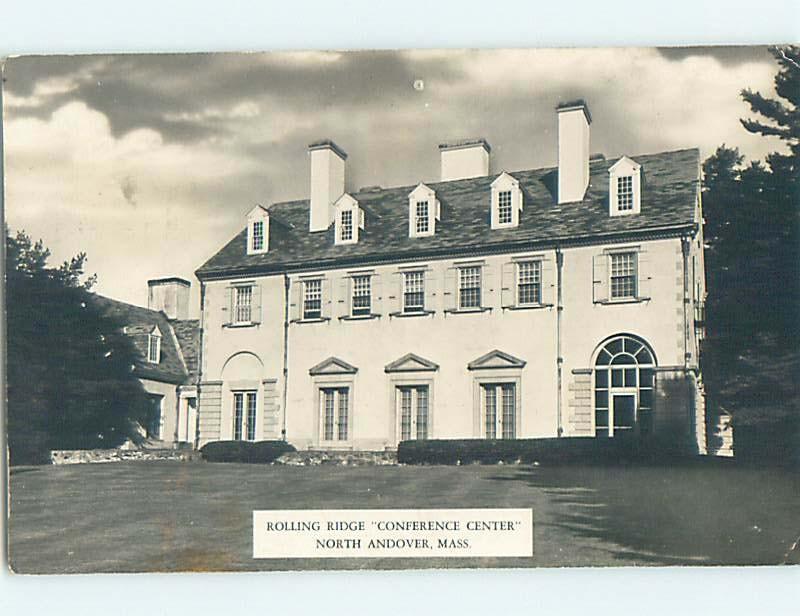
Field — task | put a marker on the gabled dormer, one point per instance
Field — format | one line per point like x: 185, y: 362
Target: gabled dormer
x: 506, y: 201
x: 423, y: 211
x: 624, y: 187
x: 349, y: 219
x: 258, y: 230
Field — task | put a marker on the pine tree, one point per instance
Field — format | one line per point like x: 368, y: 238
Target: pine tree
x: 69, y: 379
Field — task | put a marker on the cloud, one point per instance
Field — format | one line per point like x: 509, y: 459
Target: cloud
x: 73, y: 183
x: 149, y: 162
x: 726, y: 55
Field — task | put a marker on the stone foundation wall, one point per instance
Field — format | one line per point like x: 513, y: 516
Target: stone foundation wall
x: 338, y: 458
x: 99, y: 456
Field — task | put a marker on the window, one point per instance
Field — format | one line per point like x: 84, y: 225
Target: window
x: 244, y: 415
x: 362, y: 296
x: 347, y: 225
x: 422, y: 220
x: 335, y: 402
x: 413, y: 412
x: 625, y: 193
x: 154, y: 348
x: 623, y: 275
x: 469, y: 287
x: 414, y: 292
x: 312, y: 299
x: 154, y: 417
x: 243, y: 304
x: 258, y: 235
x: 529, y: 283
x: 505, y: 214
x: 499, y: 410
x: 624, y: 382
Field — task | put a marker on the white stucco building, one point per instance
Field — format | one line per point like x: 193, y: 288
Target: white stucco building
x: 490, y: 304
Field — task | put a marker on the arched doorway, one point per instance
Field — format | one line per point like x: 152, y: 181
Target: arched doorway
x: 624, y: 383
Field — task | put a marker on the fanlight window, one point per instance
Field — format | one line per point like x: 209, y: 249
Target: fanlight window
x: 624, y: 382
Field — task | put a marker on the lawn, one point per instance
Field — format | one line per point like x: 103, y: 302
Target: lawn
x: 178, y: 516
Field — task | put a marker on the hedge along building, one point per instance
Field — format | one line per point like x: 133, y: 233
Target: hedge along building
x: 536, y: 303
x: 166, y: 342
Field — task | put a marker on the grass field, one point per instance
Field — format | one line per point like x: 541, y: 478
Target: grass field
x: 174, y: 516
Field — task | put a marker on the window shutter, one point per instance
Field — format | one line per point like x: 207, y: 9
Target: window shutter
x: 296, y: 300
x: 430, y: 290
x: 548, y: 282
x: 343, y: 299
x: 643, y: 275
x: 327, y: 299
x: 394, y: 298
x: 376, y: 293
x: 450, y: 288
x: 600, y: 278
x: 508, y: 291
x: 488, y: 286
x: 255, y: 304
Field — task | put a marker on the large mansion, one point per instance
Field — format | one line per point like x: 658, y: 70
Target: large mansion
x: 489, y: 304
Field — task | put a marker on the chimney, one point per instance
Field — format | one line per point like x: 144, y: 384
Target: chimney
x: 468, y: 158
x: 573, y: 150
x: 170, y: 296
x: 327, y: 182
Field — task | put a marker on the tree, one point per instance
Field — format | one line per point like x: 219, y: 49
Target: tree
x: 752, y: 230
x: 70, y: 383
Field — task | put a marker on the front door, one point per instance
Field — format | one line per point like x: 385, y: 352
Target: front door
x: 623, y: 413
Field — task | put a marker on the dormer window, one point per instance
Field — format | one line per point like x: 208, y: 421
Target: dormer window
x: 423, y: 211
x: 349, y: 219
x: 154, y: 346
x: 346, y: 226
x: 422, y: 217
x: 624, y: 181
x: 258, y: 230
x: 505, y: 213
x: 258, y: 235
x: 625, y: 193
x: 506, y: 201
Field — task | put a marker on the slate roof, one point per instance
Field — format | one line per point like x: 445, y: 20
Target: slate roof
x: 188, y: 334
x: 669, y: 194
x: 139, y: 322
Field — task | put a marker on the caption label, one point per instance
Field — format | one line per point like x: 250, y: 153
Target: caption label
x: 392, y: 533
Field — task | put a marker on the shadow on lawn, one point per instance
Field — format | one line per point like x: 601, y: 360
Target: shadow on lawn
x: 690, y: 513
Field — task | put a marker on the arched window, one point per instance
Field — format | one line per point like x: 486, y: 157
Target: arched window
x: 624, y: 381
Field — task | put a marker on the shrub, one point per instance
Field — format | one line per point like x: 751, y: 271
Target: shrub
x: 558, y: 450
x: 258, y: 452
x: 765, y: 442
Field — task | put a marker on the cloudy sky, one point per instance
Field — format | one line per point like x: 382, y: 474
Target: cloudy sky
x: 149, y: 162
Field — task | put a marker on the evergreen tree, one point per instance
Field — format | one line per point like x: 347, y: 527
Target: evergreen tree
x: 752, y: 230
x: 69, y: 377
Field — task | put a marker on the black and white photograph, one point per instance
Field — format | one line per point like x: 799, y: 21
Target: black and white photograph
x: 402, y: 309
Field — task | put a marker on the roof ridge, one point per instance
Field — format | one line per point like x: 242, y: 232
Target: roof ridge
x: 411, y: 187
